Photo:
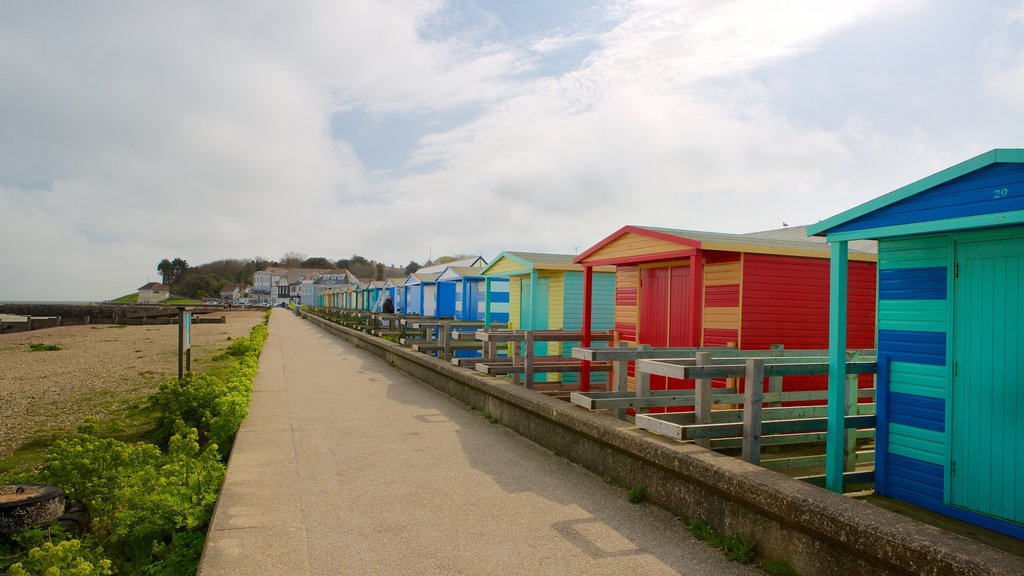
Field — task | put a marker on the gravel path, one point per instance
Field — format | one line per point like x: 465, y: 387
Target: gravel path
x: 98, y: 369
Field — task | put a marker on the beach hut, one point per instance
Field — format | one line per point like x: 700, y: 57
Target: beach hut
x: 470, y: 301
x: 428, y: 297
x: 557, y: 301
x: 395, y: 287
x: 950, y: 408
x: 420, y: 293
x: 683, y: 288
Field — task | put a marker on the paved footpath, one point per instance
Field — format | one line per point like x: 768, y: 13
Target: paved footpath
x: 348, y: 466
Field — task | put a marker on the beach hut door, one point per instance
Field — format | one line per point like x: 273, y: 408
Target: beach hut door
x: 987, y: 410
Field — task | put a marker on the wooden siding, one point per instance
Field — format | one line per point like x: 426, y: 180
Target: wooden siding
x: 918, y: 379
x: 556, y: 299
x: 918, y: 443
x: 913, y: 321
x: 632, y: 245
x: 515, y: 291
x: 627, y: 288
x: 722, y: 296
x: 785, y: 301
x: 505, y: 266
x: 722, y: 310
x: 719, y: 337
x: 722, y: 270
x: 499, y: 301
x: 721, y: 318
x: 984, y: 191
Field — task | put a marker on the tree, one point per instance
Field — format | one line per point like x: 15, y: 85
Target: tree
x: 317, y: 262
x: 447, y: 259
x: 180, y: 269
x: 379, y: 271
x: 411, y: 267
x: 292, y: 259
x: 166, y: 271
x: 172, y: 271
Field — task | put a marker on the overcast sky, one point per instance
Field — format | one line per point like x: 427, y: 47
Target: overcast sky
x: 136, y: 131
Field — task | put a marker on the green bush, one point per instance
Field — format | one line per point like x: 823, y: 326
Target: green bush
x: 150, y: 508
x: 65, y: 558
x: 140, y: 498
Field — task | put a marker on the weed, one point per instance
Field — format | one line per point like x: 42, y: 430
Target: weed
x: 736, y: 547
x: 40, y: 347
x: 739, y: 548
x: 490, y: 417
x: 118, y: 326
x: 637, y: 494
x: 776, y: 568
x: 607, y: 479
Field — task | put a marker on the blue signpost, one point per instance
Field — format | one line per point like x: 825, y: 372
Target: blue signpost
x: 184, y: 342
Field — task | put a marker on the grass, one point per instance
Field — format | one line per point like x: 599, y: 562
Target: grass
x: 737, y: 547
x: 134, y: 421
x: 40, y: 347
x: 129, y: 419
x: 637, y: 494
x: 126, y: 299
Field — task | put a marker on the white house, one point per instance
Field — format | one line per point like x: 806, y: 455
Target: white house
x: 153, y: 293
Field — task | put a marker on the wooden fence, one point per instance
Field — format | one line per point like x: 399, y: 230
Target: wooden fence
x: 727, y: 417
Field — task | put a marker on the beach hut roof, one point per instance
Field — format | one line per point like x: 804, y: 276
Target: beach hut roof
x: 514, y: 263
x: 459, y: 272
x: 394, y: 282
x: 661, y: 243
x: 880, y: 217
x: 473, y: 261
x: 422, y: 277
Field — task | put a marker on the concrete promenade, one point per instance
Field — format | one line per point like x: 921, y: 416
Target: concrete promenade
x: 347, y: 466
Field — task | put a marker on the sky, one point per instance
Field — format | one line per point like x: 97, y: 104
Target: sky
x: 398, y: 130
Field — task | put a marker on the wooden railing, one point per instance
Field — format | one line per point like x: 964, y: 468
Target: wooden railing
x: 523, y: 363
x: 728, y: 418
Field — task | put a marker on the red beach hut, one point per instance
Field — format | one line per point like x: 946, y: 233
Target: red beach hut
x: 682, y: 288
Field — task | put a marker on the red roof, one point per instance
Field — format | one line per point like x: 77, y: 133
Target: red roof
x: 154, y: 286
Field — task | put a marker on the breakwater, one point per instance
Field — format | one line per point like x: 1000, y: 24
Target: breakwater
x: 100, y: 313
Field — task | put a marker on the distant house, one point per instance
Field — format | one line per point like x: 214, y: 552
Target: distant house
x: 232, y: 293
x: 275, y: 285
x: 153, y: 293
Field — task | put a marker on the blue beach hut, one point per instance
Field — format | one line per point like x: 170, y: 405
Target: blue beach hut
x: 470, y: 301
x: 395, y: 287
x: 420, y: 293
x: 950, y: 385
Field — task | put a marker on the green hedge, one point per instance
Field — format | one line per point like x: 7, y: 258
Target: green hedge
x: 151, y: 503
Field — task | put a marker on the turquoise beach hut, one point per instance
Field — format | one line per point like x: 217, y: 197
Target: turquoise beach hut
x: 950, y: 385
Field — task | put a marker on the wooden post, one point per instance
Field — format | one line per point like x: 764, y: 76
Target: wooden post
x: 834, y: 441
x: 621, y: 381
x: 850, y: 435
x: 444, y: 337
x: 516, y: 358
x: 775, y: 382
x: 487, y: 302
x: 530, y: 359
x: 588, y: 289
x: 753, y: 395
x: 702, y: 398
x: 643, y: 387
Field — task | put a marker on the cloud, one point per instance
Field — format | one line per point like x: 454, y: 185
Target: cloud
x: 136, y: 132
x: 1002, y: 58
